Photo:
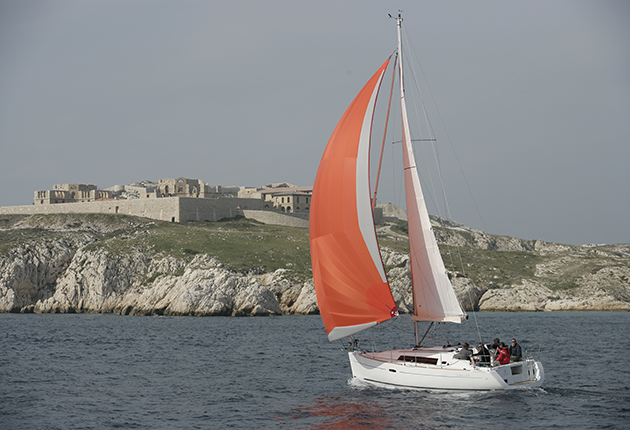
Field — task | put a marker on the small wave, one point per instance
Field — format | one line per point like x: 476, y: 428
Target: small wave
x: 358, y: 384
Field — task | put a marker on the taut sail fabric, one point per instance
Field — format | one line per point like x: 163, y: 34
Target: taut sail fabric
x: 350, y: 282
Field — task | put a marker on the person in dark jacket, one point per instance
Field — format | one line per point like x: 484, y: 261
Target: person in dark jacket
x: 516, y: 353
x: 464, y: 353
x: 483, y: 354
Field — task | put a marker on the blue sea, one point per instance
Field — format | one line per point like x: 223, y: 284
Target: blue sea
x: 102, y: 371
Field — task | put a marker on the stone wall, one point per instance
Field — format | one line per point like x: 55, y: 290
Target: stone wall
x: 192, y: 209
x: 276, y: 218
x: 166, y: 209
x: 174, y: 209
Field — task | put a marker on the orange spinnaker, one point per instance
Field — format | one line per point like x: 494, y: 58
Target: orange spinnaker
x: 352, y: 289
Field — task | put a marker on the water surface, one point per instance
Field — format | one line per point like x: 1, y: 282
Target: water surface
x: 109, y: 371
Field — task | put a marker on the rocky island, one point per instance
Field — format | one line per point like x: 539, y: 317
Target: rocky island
x: 64, y: 263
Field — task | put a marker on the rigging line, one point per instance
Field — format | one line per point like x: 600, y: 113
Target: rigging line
x: 416, y: 140
x: 389, y: 105
x: 391, y: 324
x: 437, y: 341
x: 447, y: 208
x: 394, y: 183
x: 429, y: 126
x: 397, y: 173
x: 448, y: 138
x: 431, y: 130
x: 425, y: 332
x: 398, y: 328
x: 448, y: 341
x: 457, y: 248
x: 433, y: 194
x: 427, y: 121
x: 426, y: 335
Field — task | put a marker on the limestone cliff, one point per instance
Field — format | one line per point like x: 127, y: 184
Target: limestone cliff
x: 132, y: 266
x: 62, y: 274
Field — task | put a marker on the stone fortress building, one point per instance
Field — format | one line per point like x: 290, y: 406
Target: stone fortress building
x: 180, y: 200
x: 183, y: 187
x: 283, y: 198
x: 180, y: 187
x: 177, y: 200
x: 295, y: 200
x: 71, y: 193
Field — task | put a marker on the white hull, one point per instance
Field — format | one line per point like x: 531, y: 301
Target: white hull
x: 437, y: 369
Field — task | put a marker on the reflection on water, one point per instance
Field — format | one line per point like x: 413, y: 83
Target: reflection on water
x: 365, y: 406
x: 340, y: 413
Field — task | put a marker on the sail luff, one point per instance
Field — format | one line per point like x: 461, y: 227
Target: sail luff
x: 350, y: 282
x: 433, y: 295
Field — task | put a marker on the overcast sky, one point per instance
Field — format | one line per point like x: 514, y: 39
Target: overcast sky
x: 534, y: 95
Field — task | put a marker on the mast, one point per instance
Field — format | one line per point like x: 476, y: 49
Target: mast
x: 406, y: 134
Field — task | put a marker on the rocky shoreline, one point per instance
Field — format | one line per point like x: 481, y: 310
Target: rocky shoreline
x: 61, y: 273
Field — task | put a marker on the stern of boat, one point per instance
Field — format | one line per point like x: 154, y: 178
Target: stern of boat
x: 522, y: 374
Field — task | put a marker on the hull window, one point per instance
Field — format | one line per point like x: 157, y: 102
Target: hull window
x: 414, y: 359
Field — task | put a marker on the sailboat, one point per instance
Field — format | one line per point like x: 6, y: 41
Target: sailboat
x: 353, y: 293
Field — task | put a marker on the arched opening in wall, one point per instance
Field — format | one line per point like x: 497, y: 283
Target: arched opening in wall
x: 173, y: 219
x: 42, y: 202
x: 166, y: 189
x: 72, y: 194
x: 117, y: 209
x: 194, y: 191
x: 180, y: 189
x: 282, y: 208
x: 289, y: 209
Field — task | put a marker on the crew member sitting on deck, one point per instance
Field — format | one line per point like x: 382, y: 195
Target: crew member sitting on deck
x: 516, y: 353
x: 483, y: 354
x: 464, y: 353
x: 494, y: 346
x: 504, y: 354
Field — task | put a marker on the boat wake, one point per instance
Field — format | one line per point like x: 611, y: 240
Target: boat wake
x: 358, y: 384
